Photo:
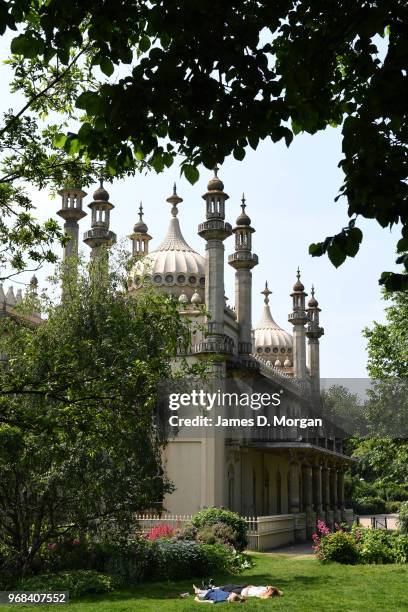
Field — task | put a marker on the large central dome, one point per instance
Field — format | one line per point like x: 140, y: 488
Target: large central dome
x: 173, y: 266
x: 271, y: 341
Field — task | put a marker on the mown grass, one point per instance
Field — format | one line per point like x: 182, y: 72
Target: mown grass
x: 307, y: 584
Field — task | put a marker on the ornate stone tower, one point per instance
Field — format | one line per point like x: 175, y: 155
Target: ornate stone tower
x: 313, y: 333
x: 71, y: 211
x: 100, y: 235
x: 214, y: 231
x: 299, y: 317
x: 243, y: 260
x: 140, y: 238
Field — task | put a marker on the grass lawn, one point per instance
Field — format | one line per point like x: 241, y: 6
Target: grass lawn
x: 307, y: 585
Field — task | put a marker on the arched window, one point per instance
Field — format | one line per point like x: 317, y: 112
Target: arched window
x: 278, y: 492
x: 254, y: 491
x: 266, y: 509
x: 231, y: 487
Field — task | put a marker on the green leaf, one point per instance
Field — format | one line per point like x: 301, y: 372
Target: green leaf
x: 60, y: 140
x: 106, y: 66
x: 336, y: 254
x: 191, y: 173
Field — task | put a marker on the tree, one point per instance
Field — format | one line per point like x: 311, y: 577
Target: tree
x: 206, y: 80
x: 79, y: 443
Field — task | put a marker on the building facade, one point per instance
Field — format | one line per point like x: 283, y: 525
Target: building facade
x: 291, y: 471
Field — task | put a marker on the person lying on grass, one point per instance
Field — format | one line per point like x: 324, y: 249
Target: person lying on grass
x: 234, y: 592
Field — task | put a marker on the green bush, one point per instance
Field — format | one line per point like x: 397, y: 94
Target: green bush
x: 176, y: 559
x: 369, y: 505
x: 392, y: 507
x: 402, y: 522
x: 400, y: 549
x: 77, y: 583
x: 376, y: 546
x: 130, y: 562
x: 188, y: 532
x: 212, y: 516
x: 338, y: 546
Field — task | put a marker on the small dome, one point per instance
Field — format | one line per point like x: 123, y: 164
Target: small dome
x: 196, y: 298
x: 183, y: 299
x: 101, y: 194
x: 140, y: 226
x: 243, y: 218
x: 278, y: 364
x: 313, y: 303
x: 215, y: 184
x: 287, y: 363
x: 298, y: 286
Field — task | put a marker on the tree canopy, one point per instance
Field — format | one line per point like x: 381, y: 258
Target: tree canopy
x: 79, y: 444
x: 205, y: 80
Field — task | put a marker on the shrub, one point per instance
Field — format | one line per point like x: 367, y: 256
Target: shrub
x: 206, y: 535
x: 369, y: 505
x: 160, y: 531
x: 338, y: 546
x: 176, y: 559
x: 189, y: 532
x: 77, y: 583
x: 400, y: 549
x: 392, y: 507
x: 130, y: 562
x: 376, y: 546
x: 402, y: 522
x: 73, y: 554
x: 211, y: 516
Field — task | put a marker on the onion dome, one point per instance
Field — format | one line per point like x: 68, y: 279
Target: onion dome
x: 101, y: 195
x: 174, y: 266
x: 298, y: 286
x: 278, y: 363
x: 287, y: 363
x: 313, y: 303
x: 270, y: 340
x: 140, y: 227
x: 243, y: 218
x: 215, y: 184
x: 183, y: 299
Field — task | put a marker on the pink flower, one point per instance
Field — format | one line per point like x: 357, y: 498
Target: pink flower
x: 160, y: 531
x: 76, y: 542
x: 51, y: 546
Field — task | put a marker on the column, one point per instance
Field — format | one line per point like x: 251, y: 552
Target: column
x: 293, y: 487
x: 317, y: 489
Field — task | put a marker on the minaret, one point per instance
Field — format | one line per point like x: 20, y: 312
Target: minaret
x: 140, y: 238
x: 71, y: 211
x: 100, y: 234
x: 243, y: 260
x: 299, y: 317
x: 214, y: 231
x: 313, y: 333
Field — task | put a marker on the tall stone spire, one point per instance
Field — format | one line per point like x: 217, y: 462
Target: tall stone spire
x: 140, y: 238
x: 100, y: 235
x: 299, y: 317
x: 214, y: 231
x: 313, y: 333
x: 71, y: 211
x: 243, y: 260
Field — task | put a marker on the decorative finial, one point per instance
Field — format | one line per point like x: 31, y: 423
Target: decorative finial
x: 298, y: 273
x: 243, y: 204
x: 313, y: 291
x: 266, y: 293
x: 174, y: 199
x: 216, y: 171
x: 141, y: 212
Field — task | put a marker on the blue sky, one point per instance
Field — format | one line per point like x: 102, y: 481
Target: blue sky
x: 290, y: 198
